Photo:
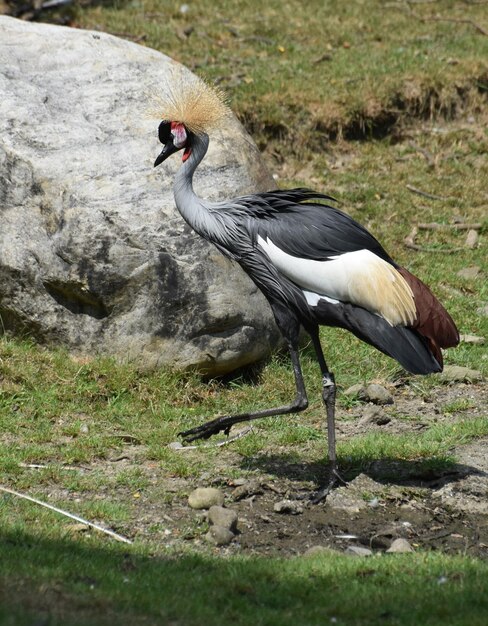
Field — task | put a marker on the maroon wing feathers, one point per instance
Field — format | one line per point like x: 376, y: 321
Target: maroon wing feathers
x: 433, y: 321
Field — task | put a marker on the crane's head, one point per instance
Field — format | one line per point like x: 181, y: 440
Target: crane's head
x: 188, y: 107
x: 174, y: 136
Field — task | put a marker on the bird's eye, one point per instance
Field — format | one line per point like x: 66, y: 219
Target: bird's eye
x: 164, y: 132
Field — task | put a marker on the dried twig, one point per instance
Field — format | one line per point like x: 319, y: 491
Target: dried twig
x: 425, y: 153
x: 457, y: 20
x: 409, y: 242
x: 431, y: 196
x: 441, y: 18
x: 70, y: 468
x: 326, y: 56
x: 459, y: 226
x: 54, y: 4
x: 66, y: 514
x: 134, y: 38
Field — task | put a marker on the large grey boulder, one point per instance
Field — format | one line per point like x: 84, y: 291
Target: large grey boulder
x: 93, y: 254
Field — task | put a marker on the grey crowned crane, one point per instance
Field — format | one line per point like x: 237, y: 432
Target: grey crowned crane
x: 314, y: 264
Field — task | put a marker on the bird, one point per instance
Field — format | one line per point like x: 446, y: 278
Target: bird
x: 314, y: 264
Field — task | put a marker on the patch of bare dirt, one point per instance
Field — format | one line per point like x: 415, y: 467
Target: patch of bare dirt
x: 444, y: 508
x: 435, y: 507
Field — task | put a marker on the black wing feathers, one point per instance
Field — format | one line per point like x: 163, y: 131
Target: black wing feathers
x: 304, y: 228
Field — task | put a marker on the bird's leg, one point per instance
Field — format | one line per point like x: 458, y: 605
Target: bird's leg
x: 226, y: 422
x: 328, y: 396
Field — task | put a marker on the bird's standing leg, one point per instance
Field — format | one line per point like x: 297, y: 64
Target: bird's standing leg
x: 328, y: 396
x: 226, y: 422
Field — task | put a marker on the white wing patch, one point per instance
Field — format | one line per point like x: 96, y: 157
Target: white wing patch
x: 360, y: 277
x: 314, y: 298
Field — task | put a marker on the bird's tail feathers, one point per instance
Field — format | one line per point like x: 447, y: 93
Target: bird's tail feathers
x: 433, y: 321
x: 403, y: 344
x: 408, y: 347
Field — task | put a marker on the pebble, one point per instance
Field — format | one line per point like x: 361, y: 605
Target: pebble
x: 374, y: 415
x: 358, y: 551
x: 355, y: 390
x: 238, y: 482
x: 226, y: 518
x: 474, y: 339
x: 400, y: 545
x: 469, y: 272
x: 289, y: 507
x: 249, y: 488
x: 483, y: 310
x: 471, y: 239
x: 219, y: 536
x: 457, y: 373
x: 340, y: 500
x: 205, y: 497
x: 376, y: 393
x: 317, y: 550
x: 77, y: 527
x: 350, y: 498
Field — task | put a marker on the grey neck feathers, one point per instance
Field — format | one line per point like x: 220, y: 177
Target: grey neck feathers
x: 193, y: 209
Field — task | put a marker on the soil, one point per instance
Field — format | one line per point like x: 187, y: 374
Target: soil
x: 440, y: 506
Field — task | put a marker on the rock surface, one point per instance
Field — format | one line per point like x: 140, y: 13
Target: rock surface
x: 220, y: 516
x: 473, y: 339
x: 376, y: 393
x: 219, y: 536
x: 355, y: 496
x: 359, y: 551
x: 400, y: 546
x: 205, y: 497
x: 458, y: 373
x: 93, y: 254
x: 469, y: 272
x: 288, y: 507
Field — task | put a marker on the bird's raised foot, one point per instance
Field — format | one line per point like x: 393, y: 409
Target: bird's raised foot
x: 334, y: 479
x: 204, y: 431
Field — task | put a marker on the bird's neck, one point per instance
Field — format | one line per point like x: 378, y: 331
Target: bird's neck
x: 193, y: 209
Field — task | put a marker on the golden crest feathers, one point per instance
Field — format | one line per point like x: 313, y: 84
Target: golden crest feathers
x: 188, y: 99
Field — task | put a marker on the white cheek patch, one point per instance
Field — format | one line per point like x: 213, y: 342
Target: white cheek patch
x: 179, y: 135
x: 359, y: 277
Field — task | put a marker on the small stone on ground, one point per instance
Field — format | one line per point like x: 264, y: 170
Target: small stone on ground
x: 457, y: 373
x: 358, y: 551
x: 473, y: 339
x: 318, y: 550
x: 374, y: 415
x: 289, y: 507
x: 400, y: 545
x: 355, y: 390
x: 246, y: 490
x: 376, y: 393
x: 205, y: 497
x: 226, y: 518
x: 219, y: 536
x: 469, y: 272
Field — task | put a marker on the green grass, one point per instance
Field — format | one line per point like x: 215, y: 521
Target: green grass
x: 356, y: 99
x: 83, y: 583
x: 330, y: 68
